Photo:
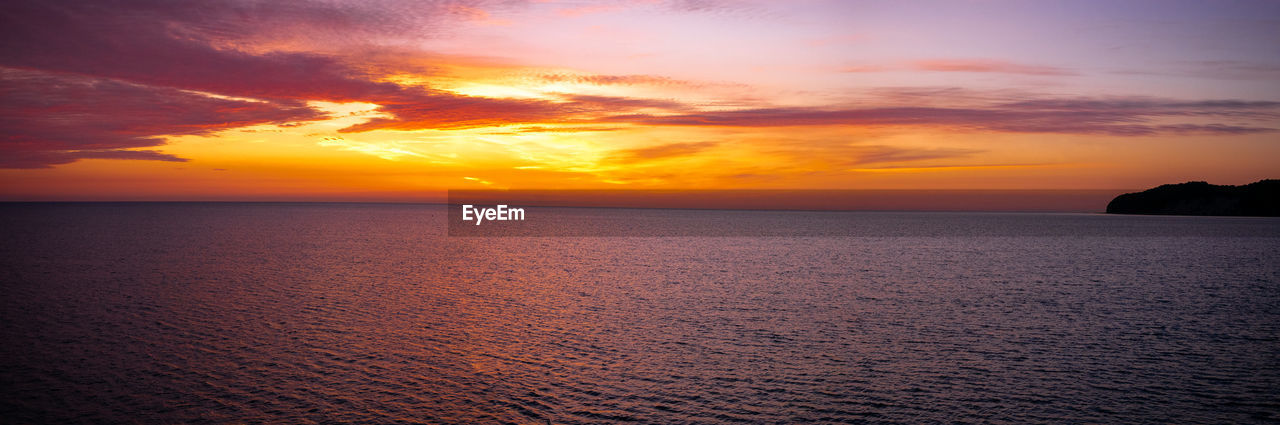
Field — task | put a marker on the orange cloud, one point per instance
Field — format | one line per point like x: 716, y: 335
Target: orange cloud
x: 670, y: 150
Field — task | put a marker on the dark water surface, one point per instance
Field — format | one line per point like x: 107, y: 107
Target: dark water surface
x: 369, y: 313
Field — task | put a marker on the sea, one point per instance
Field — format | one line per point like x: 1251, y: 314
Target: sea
x: 377, y: 313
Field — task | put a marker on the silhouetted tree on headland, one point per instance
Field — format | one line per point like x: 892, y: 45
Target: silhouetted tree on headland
x: 1260, y: 198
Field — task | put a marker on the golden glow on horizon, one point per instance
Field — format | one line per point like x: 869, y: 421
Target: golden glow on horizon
x: 951, y: 168
x: 316, y: 161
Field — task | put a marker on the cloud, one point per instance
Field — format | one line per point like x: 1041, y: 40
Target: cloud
x: 159, y: 51
x: 727, y: 90
x: 921, y: 168
x: 962, y: 65
x: 155, y: 44
x: 417, y: 111
x: 715, y: 7
x: 670, y: 150
x: 718, y: 7
x: 872, y: 154
x: 247, y: 25
x: 439, y: 110
x: 865, y: 68
x: 46, y: 159
x: 983, y: 65
x: 426, y: 109
x: 590, y: 9
x: 93, y: 80
x: 391, y: 151
x: 832, y: 155
x: 1216, y: 70
x: 52, y: 119
x: 614, y: 80
x: 162, y: 44
x: 1149, y: 105
x: 617, y: 104
x: 570, y: 129
x: 1108, y: 116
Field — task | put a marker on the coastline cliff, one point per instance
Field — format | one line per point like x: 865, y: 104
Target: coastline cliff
x: 1261, y: 198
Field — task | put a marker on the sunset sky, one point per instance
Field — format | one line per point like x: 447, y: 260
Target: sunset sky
x: 398, y: 101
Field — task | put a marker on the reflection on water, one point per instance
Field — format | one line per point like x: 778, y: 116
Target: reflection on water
x: 369, y: 313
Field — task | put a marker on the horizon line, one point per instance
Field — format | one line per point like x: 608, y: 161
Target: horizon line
x: 446, y: 204
x: 899, y: 200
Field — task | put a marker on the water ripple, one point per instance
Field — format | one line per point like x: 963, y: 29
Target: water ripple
x: 210, y: 313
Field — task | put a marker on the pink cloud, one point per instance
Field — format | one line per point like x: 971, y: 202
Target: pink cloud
x: 961, y: 65
x: 864, y: 68
x: 982, y: 65
x: 591, y: 9
x: 611, y: 80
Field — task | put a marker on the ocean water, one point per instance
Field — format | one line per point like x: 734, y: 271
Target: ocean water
x: 365, y: 313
